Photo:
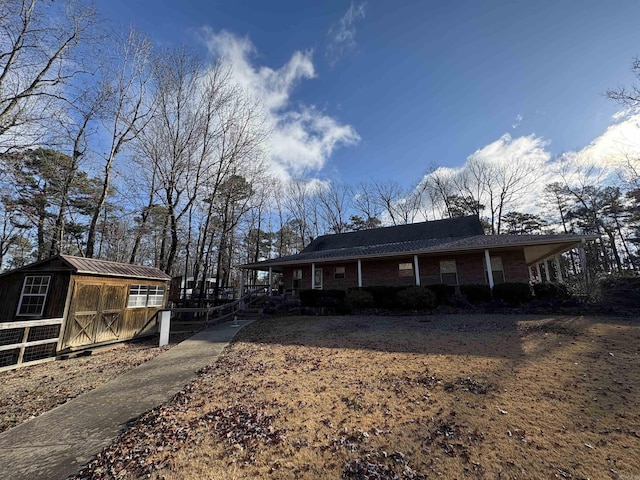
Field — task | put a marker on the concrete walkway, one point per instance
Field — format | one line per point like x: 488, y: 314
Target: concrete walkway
x: 59, y: 442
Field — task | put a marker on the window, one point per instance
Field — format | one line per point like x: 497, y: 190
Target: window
x: 156, y: 296
x: 448, y: 272
x: 297, y: 278
x: 339, y: 272
x: 34, y: 294
x: 496, y: 269
x: 137, y: 296
x: 405, y: 269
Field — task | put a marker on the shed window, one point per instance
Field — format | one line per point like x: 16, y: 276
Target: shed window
x: 137, y: 296
x: 297, y: 278
x: 496, y: 269
x: 405, y: 269
x: 339, y: 272
x: 448, y: 272
x: 34, y: 295
x: 156, y: 296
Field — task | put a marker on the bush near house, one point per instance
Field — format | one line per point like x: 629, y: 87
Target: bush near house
x: 358, y: 299
x: 623, y: 290
x: 444, y: 293
x: 512, y: 293
x: 416, y: 298
x: 384, y: 296
x: 476, y: 294
x: 322, y: 298
x: 551, y: 291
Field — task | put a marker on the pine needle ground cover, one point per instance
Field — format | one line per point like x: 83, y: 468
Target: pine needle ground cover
x: 401, y: 398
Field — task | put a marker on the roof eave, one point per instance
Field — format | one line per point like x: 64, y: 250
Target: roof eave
x: 529, y: 242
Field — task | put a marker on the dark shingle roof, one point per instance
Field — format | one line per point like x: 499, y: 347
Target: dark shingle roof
x: 437, y: 229
x: 425, y: 245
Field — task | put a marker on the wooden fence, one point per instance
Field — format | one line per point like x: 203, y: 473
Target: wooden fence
x: 28, y: 342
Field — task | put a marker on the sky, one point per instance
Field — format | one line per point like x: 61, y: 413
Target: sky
x: 382, y: 90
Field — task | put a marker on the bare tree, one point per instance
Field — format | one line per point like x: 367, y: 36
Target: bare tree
x: 123, y: 88
x: 37, y: 44
x: 334, y: 202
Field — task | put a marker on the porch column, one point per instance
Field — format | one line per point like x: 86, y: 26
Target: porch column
x: 583, y: 262
x: 313, y: 276
x: 270, y: 280
x: 559, y: 269
x: 487, y: 261
x: 359, y: 273
x: 416, y: 269
x: 241, y: 292
x: 547, y: 274
x: 540, y: 265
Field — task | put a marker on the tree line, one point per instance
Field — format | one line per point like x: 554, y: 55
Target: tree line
x: 113, y: 148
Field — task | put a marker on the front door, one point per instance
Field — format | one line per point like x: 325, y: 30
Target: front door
x: 317, y: 279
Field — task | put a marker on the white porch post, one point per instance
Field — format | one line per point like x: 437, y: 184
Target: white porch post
x: 241, y: 292
x: 359, y: 273
x: 313, y: 276
x: 559, y: 269
x: 547, y: 274
x: 270, y: 280
x: 487, y: 261
x: 416, y: 269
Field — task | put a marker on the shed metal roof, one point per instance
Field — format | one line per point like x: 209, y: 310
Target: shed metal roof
x: 94, y: 266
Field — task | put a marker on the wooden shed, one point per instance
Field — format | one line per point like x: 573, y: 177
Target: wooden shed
x: 65, y: 303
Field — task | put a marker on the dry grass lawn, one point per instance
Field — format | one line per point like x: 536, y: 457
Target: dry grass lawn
x: 402, y: 398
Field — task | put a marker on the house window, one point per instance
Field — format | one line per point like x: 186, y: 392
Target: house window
x: 448, y: 272
x: 34, y: 294
x: 156, y: 296
x: 297, y: 278
x: 496, y: 269
x: 339, y: 272
x: 405, y: 269
x: 137, y: 296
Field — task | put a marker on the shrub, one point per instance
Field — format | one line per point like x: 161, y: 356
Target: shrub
x: 623, y: 290
x: 310, y: 298
x: 443, y: 293
x: 476, y: 294
x: 322, y: 298
x: 416, y: 298
x: 551, y: 291
x: 512, y: 293
x: 359, y: 299
x: 383, y: 296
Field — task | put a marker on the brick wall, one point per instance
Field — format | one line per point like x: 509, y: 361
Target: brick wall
x: 470, y: 268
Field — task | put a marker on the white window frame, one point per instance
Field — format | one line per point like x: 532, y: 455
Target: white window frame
x: 405, y: 269
x: 496, y: 266
x: 445, y: 269
x: 28, y: 292
x: 297, y: 276
x: 340, y: 273
x: 155, y: 296
x: 137, y: 296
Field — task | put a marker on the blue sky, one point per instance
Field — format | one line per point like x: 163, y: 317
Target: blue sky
x: 383, y: 90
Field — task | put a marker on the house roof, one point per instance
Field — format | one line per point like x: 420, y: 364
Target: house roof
x: 94, y: 266
x: 437, y: 229
x: 451, y: 235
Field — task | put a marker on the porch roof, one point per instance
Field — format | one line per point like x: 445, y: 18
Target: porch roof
x: 536, y: 248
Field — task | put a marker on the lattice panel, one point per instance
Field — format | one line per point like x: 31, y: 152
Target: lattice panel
x: 10, y: 336
x: 9, y: 357
x: 38, y: 352
x: 43, y: 332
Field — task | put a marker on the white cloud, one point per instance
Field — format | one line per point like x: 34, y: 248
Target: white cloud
x: 302, y: 137
x: 518, y: 121
x: 342, y: 34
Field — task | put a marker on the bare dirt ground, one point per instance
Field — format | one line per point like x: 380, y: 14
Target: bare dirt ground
x: 30, y: 391
x: 486, y: 396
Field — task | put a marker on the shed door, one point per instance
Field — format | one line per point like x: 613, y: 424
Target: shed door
x: 95, y: 314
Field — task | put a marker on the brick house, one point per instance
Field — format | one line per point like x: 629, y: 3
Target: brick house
x: 451, y: 251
